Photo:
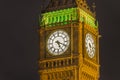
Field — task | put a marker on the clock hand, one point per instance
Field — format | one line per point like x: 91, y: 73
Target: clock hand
x: 89, y: 45
x: 61, y: 48
x: 58, y: 43
x: 63, y: 44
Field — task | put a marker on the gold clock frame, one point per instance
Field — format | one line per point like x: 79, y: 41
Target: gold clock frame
x: 64, y: 53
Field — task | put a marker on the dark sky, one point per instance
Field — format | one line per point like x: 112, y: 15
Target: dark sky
x: 19, y: 40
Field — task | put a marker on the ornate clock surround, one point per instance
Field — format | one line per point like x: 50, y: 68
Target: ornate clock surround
x: 72, y: 31
x: 93, y: 32
x: 48, y: 33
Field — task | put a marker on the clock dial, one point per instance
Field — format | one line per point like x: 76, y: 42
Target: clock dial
x: 90, y: 45
x: 58, y: 42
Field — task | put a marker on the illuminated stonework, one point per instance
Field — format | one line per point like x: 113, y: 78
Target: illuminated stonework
x: 76, y: 61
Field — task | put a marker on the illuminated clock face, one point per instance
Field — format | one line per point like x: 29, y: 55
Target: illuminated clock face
x: 90, y: 45
x: 58, y: 42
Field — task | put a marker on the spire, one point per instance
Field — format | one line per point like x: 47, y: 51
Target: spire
x: 63, y: 4
x: 60, y: 4
x: 83, y: 4
x: 94, y: 6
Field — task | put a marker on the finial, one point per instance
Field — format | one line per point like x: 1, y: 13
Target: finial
x: 94, y: 6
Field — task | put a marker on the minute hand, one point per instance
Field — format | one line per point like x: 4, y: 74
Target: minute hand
x: 62, y: 44
x: 58, y: 42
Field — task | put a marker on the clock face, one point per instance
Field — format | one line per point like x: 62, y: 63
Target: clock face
x: 58, y: 42
x: 90, y: 45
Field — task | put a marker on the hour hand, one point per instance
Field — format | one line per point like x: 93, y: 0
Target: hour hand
x: 63, y: 44
x: 58, y: 43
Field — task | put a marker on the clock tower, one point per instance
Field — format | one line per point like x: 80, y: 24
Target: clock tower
x: 69, y: 41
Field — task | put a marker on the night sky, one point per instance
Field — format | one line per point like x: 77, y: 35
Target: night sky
x: 19, y: 40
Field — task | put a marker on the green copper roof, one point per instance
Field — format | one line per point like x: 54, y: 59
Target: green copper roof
x: 60, y: 16
x: 62, y: 12
x: 51, y: 19
x: 87, y: 18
